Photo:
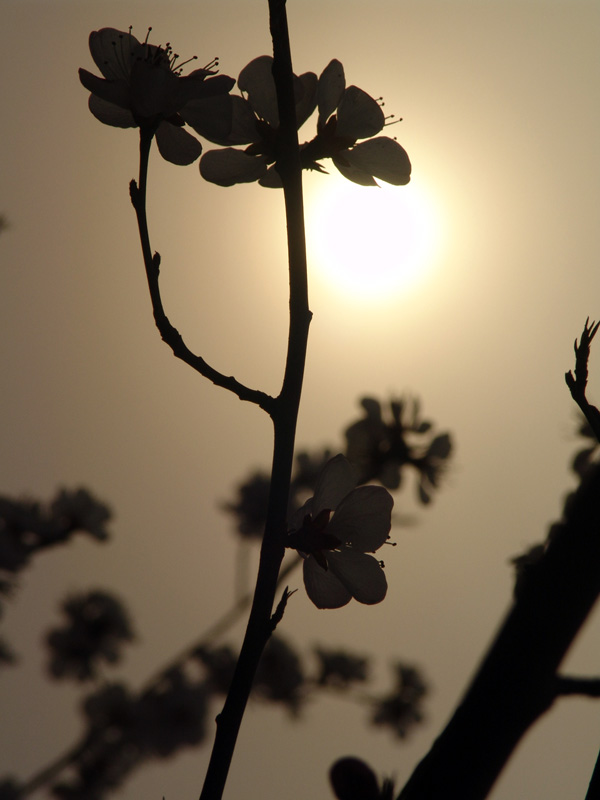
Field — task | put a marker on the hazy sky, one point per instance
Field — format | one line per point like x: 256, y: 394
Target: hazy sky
x: 501, y: 120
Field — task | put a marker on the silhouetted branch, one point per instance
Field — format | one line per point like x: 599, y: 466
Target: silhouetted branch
x: 593, y: 792
x: 284, y: 412
x: 169, y: 334
x: 578, y: 383
x: 569, y: 685
x: 517, y: 681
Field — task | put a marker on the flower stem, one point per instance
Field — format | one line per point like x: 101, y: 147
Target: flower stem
x: 284, y: 414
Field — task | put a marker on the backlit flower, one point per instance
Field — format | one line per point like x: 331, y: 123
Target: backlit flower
x: 254, y: 121
x: 346, y: 115
x: 335, y: 530
x: 142, y: 86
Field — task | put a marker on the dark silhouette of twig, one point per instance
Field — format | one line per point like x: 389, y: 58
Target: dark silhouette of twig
x: 284, y: 413
x: 577, y: 384
x: 169, y: 334
x: 566, y: 685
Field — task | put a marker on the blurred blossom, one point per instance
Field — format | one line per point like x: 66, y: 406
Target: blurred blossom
x: 338, y: 668
x: 346, y: 115
x: 142, y: 86
x: 401, y: 710
x: 78, y: 510
x: 112, y: 708
x: 174, y: 714
x: 9, y: 790
x: 279, y: 677
x: 97, y: 627
x: 27, y: 526
x: 336, y: 565
x: 352, y: 779
x: 7, y: 655
x: 250, y: 507
x: 220, y: 665
x: 381, y: 447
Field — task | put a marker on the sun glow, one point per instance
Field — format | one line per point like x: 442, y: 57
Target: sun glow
x: 368, y: 242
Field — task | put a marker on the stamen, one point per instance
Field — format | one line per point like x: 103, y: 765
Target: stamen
x: 395, y: 121
x: 183, y: 63
x: 212, y: 65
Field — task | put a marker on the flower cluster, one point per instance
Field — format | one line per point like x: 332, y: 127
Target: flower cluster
x: 401, y: 710
x: 142, y: 87
x: 345, y: 116
x: 334, y: 530
x: 339, y: 669
x: 96, y: 628
x: 381, y: 448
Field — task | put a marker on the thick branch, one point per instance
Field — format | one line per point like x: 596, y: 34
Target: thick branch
x: 517, y: 683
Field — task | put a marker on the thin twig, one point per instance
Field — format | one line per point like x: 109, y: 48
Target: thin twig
x: 566, y: 685
x: 577, y: 384
x: 169, y: 334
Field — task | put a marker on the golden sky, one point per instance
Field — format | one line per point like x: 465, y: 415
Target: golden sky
x: 501, y: 121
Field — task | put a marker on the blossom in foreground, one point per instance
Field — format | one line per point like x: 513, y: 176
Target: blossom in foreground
x: 335, y: 530
x: 142, y: 86
x: 253, y: 121
x: 346, y: 115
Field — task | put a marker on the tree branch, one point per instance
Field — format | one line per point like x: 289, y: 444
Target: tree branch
x: 169, y: 334
x: 517, y: 681
x: 284, y: 413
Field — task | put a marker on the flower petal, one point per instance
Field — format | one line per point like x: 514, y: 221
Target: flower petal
x: 305, y: 88
x: 331, y: 88
x: 225, y: 119
x: 322, y: 587
x: 210, y: 117
x: 257, y: 80
x: 230, y: 166
x: 271, y: 179
x: 363, y: 518
x: 353, y: 173
x: 337, y: 479
x: 110, y: 114
x: 113, y: 52
x: 359, y: 116
x: 116, y: 92
x: 195, y: 87
x: 382, y: 157
x: 177, y: 145
x: 360, y: 574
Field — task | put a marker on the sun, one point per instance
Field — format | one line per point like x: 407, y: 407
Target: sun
x: 370, y: 242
